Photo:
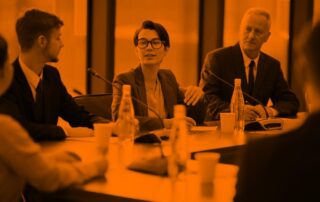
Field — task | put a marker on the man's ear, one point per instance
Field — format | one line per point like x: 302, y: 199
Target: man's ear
x: 42, y: 41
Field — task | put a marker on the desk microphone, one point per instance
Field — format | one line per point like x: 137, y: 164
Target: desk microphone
x: 155, y: 165
x: 95, y: 74
x: 244, y: 93
x: 265, y: 124
x: 143, y: 137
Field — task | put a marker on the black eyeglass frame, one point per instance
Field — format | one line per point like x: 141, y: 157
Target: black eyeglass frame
x: 151, y: 42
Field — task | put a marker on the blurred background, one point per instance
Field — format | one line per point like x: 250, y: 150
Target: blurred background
x: 99, y: 34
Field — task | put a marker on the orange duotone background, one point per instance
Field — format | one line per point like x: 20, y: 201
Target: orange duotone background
x: 180, y: 17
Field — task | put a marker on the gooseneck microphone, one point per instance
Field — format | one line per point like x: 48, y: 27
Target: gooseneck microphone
x: 95, y: 74
x: 141, y: 135
x: 244, y: 93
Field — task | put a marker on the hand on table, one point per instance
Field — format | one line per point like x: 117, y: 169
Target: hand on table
x: 101, y: 164
x: 258, y: 111
x: 65, y: 156
x: 78, y: 131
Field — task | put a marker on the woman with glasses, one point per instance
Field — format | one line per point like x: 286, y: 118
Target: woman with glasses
x: 153, y: 86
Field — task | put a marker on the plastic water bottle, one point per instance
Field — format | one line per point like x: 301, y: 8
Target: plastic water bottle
x: 178, y: 142
x: 125, y: 124
x: 177, y: 160
x: 237, y: 106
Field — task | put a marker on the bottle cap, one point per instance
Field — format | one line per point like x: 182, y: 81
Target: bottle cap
x: 126, y: 90
x: 237, y: 82
x: 179, y: 111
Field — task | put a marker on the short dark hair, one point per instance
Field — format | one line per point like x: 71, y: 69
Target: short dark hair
x: 311, y: 51
x: 161, y: 31
x: 33, y: 24
x: 3, y: 52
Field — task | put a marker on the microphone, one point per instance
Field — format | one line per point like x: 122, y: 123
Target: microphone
x: 155, y: 165
x: 144, y: 137
x: 95, y: 74
x: 244, y: 93
x: 266, y: 124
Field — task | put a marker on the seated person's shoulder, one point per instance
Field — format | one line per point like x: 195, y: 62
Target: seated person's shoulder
x: 52, y: 71
x: 224, y: 52
x: 274, y: 62
x: 166, y: 71
x: 125, y: 76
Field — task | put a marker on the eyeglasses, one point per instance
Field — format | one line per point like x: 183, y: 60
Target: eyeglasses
x: 155, y: 43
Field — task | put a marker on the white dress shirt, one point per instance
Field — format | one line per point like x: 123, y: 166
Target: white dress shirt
x: 32, y: 78
x: 247, y: 61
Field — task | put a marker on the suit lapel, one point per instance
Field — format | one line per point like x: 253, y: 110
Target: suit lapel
x: 141, y: 90
x: 23, y: 83
x: 261, y: 74
x: 167, y: 95
x: 240, y: 68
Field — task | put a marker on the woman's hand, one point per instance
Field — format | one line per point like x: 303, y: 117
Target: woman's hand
x: 192, y: 95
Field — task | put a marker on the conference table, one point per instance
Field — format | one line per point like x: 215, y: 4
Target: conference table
x: 122, y: 184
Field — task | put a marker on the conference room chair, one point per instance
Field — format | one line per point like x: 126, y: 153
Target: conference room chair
x: 98, y: 104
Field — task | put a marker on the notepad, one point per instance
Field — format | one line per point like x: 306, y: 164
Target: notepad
x: 203, y: 128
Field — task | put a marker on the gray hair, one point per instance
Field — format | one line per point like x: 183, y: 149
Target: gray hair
x: 259, y: 11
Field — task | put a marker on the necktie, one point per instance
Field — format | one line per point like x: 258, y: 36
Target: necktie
x: 251, y: 77
x: 39, y: 101
x: 39, y: 90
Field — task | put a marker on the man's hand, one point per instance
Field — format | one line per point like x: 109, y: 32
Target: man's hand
x: 250, y: 113
x: 65, y: 156
x: 259, y: 111
x: 78, y: 131
x: 192, y: 95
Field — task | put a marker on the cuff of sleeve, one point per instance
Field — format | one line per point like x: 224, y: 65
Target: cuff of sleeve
x: 65, y: 131
x: 272, y: 112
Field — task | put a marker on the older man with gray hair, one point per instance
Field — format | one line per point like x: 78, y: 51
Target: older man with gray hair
x: 261, y: 75
x: 286, y: 167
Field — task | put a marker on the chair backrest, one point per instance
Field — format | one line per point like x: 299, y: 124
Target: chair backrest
x: 98, y: 104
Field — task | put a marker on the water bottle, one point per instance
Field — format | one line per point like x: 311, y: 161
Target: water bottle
x: 177, y: 160
x: 125, y: 125
x: 237, y: 106
x: 178, y: 143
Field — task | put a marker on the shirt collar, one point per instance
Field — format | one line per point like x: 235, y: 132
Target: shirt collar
x: 32, y: 78
x: 247, y: 60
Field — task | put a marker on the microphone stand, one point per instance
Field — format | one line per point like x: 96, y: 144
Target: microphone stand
x: 265, y: 124
x: 244, y: 93
x: 95, y: 74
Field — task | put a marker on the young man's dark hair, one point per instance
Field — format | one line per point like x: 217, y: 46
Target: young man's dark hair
x: 33, y: 24
x: 161, y: 31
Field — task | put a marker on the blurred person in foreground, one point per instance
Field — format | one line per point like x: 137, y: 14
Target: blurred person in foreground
x: 37, y: 90
x: 21, y: 160
x: 261, y: 75
x: 156, y: 87
x: 286, y: 167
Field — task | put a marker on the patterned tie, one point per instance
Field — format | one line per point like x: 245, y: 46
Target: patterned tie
x: 251, y: 77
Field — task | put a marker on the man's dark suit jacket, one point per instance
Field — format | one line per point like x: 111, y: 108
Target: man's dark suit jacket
x: 171, y: 93
x: 57, y: 102
x: 227, y: 63
x: 282, y: 168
